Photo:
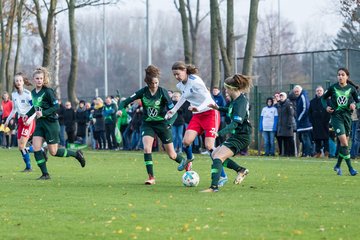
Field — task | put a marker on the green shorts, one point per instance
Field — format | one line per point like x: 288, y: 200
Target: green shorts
x: 341, y: 123
x: 162, y: 129
x: 49, y: 130
x: 236, y: 143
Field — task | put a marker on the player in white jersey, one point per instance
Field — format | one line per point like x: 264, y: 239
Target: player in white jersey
x: 22, y: 103
x: 204, y: 119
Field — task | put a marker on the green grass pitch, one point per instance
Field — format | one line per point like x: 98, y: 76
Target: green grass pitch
x: 282, y: 198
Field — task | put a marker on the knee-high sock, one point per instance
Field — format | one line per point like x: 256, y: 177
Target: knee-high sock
x: 223, y: 173
x: 40, y: 160
x: 63, y: 152
x: 232, y: 165
x: 344, y: 153
x: 215, y: 173
x: 178, y: 158
x: 26, y: 157
x: 149, y: 164
x: 188, y: 151
x: 30, y: 149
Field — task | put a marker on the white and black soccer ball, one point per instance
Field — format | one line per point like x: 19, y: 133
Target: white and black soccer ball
x: 190, y: 179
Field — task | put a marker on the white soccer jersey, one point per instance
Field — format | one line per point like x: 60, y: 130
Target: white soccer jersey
x: 22, y: 102
x: 196, y: 93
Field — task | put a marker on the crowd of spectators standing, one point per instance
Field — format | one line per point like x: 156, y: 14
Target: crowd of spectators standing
x: 299, y: 125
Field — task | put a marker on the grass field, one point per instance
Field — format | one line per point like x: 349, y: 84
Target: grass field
x: 281, y: 198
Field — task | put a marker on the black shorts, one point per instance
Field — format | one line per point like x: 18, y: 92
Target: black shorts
x: 236, y: 143
x: 162, y: 129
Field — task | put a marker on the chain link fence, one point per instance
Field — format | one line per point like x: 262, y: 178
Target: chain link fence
x: 280, y: 73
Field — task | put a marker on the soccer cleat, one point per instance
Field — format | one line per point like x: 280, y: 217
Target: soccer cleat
x: 210, y: 190
x: 150, y: 181
x: 241, y: 176
x: 222, y: 181
x: 188, y: 167
x: 353, y: 172
x: 184, y: 163
x: 27, y: 170
x: 44, y: 177
x: 80, y: 158
x: 338, y: 170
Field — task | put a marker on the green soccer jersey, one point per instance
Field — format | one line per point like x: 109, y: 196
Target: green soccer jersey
x: 45, y: 101
x: 238, y: 112
x: 341, y: 97
x: 155, y: 106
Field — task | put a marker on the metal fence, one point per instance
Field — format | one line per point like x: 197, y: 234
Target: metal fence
x: 279, y: 73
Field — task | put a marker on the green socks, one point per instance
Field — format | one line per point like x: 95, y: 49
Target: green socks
x: 63, y: 152
x: 41, y: 162
x: 149, y: 164
x: 344, y: 154
x: 215, y: 173
x: 178, y: 158
x: 232, y: 165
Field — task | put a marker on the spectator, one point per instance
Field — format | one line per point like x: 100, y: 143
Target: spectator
x: 99, y: 125
x: 82, y: 121
x: 69, y: 122
x: 178, y: 125
x: 285, y: 130
x: 60, y: 113
x: 303, y: 124
x: 268, y: 126
x: 319, y: 119
x: 6, y: 107
x: 109, y: 113
x: 220, y: 101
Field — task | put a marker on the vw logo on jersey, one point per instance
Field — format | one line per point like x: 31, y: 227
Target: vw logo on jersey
x: 342, y: 100
x: 157, y: 102
x: 152, y: 112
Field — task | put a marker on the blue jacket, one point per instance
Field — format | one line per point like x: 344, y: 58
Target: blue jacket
x: 302, y: 112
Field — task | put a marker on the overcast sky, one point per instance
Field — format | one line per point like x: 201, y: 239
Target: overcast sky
x: 320, y: 14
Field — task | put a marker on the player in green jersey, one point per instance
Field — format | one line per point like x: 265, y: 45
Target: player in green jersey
x: 155, y: 102
x: 47, y: 127
x: 343, y: 101
x: 239, y: 130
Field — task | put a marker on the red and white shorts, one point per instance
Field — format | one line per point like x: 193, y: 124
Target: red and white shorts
x: 206, y: 121
x: 25, y: 131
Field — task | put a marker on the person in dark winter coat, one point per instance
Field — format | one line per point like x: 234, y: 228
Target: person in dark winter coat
x: 285, y: 130
x: 82, y: 118
x: 99, y: 125
x: 60, y: 113
x: 303, y: 124
x: 319, y: 119
x: 69, y: 122
x: 178, y: 125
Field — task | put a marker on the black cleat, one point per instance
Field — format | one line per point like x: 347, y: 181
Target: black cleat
x: 80, y: 158
x: 45, y: 176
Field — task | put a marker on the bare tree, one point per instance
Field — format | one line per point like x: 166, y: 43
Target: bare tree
x: 214, y: 32
x: 190, y: 24
x: 46, y: 34
x: 251, y: 38
x: 19, y: 34
x: 7, y: 12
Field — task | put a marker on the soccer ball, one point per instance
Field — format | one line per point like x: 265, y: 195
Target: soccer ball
x: 190, y: 179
